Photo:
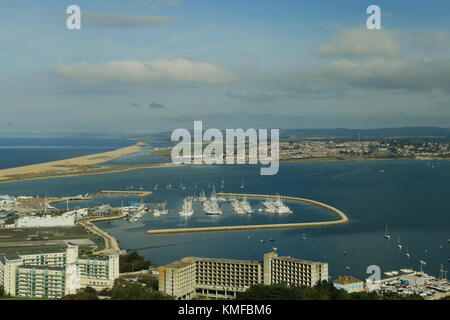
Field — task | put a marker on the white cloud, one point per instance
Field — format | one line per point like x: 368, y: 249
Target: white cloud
x: 373, y: 73
x: 158, y: 71
x: 123, y: 20
x: 252, y: 97
x: 433, y: 40
x: 364, y: 59
x: 361, y: 42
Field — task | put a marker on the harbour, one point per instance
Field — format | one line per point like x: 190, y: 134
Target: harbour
x: 342, y: 217
x: 361, y: 238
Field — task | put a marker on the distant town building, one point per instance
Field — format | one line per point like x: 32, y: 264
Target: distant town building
x: 64, y: 220
x: 103, y: 210
x: 224, y: 278
x: 54, y: 274
x: 349, y: 284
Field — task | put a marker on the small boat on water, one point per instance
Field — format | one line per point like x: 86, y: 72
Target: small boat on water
x: 399, y: 246
x: 161, y: 212
x: 262, y: 241
x: 187, y: 210
x: 386, y: 234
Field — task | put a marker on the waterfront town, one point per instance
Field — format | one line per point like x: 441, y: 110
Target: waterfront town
x: 373, y: 149
x: 323, y: 149
x: 51, y: 253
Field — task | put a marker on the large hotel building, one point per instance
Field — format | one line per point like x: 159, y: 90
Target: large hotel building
x: 224, y: 278
x: 54, y: 274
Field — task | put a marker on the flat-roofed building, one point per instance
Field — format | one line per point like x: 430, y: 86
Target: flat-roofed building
x: 40, y: 281
x: 292, y: 271
x: 224, y: 278
x: 178, y: 279
x: 53, y: 274
x: 98, y: 272
x: 349, y: 284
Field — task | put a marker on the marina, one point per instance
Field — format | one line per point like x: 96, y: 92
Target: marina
x: 357, y: 238
x: 241, y: 206
x: 276, y: 206
x: 211, y: 205
x: 342, y: 217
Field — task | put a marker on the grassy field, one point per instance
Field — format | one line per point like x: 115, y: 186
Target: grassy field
x: 38, y: 235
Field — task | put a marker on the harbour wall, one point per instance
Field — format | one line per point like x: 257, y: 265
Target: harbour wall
x: 342, y: 218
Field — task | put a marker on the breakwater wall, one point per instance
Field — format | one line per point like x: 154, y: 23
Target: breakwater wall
x: 342, y: 218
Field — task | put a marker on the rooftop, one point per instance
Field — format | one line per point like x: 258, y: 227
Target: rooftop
x: 221, y: 260
x: 178, y: 264
x: 345, y: 280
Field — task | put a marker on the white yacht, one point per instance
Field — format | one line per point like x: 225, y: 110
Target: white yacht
x: 161, y: 212
x: 386, y: 234
x: 211, y: 205
x: 187, y: 210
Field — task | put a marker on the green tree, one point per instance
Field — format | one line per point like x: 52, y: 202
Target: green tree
x: 324, y: 290
x: 2, y: 291
x: 133, y: 262
x: 124, y: 290
x: 151, y: 282
x: 87, y: 293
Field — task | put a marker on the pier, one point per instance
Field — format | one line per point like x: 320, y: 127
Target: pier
x: 342, y: 218
x: 111, y: 243
x: 125, y: 193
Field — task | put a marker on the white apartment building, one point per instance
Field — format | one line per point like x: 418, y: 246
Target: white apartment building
x: 224, y: 278
x: 54, y: 274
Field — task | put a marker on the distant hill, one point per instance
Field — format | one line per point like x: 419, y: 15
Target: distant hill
x: 344, y: 133
x: 406, y: 132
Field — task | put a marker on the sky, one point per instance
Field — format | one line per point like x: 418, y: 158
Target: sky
x: 143, y: 66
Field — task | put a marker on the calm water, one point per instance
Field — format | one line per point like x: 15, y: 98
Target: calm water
x: 16, y: 152
x: 411, y: 197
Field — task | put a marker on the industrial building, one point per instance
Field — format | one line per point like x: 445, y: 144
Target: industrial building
x: 224, y: 278
x: 349, y: 284
x: 54, y: 274
x: 64, y: 220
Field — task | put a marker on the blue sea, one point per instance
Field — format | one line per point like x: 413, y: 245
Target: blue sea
x: 21, y: 151
x: 410, y: 197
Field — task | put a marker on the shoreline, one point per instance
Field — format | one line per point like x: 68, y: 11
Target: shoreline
x: 4, y: 178
x: 95, y: 172
x: 67, y: 167
x: 343, y: 218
